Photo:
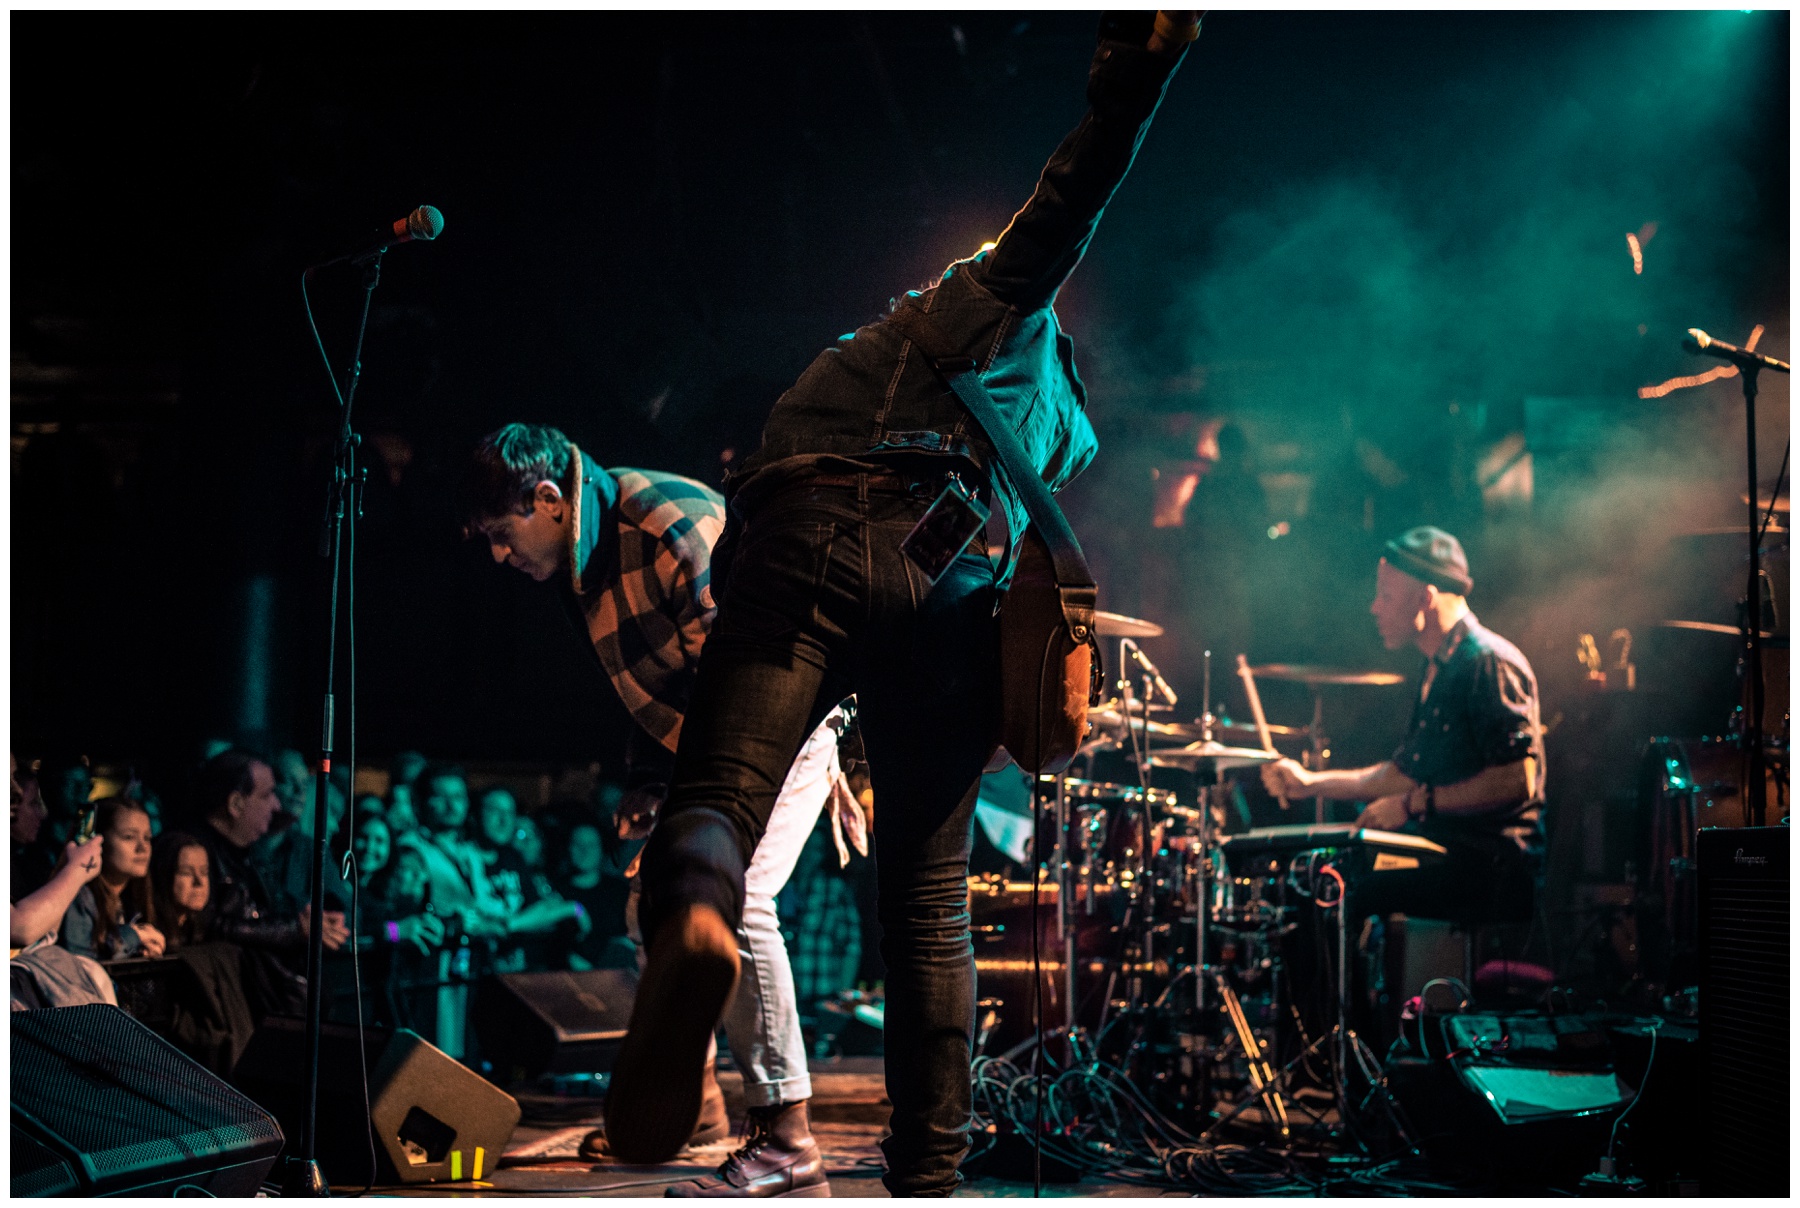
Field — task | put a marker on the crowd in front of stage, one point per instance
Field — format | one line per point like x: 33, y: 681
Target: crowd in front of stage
x: 440, y: 886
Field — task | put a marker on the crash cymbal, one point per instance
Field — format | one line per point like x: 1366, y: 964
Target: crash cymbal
x: 1217, y: 754
x: 1235, y: 729
x: 1301, y: 674
x: 1113, y: 625
x: 1738, y: 531
x: 1715, y: 627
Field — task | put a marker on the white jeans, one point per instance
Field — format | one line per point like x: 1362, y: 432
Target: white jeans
x: 762, y: 1021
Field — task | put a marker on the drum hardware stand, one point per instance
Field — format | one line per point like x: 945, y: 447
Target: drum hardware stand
x: 1262, y: 1076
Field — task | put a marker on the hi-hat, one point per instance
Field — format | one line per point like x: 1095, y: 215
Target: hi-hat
x: 1113, y: 625
x: 1217, y: 754
x: 1301, y: 674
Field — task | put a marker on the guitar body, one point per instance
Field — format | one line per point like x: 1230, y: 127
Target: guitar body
x: 1048, y: 673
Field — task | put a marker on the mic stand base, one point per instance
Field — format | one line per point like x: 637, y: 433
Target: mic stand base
x: 301, y: 1178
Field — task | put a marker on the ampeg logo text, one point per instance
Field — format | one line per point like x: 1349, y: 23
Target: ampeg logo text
x: 1741, y: 858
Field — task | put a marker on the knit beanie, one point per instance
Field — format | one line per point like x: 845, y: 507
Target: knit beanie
x: 1432, y: 556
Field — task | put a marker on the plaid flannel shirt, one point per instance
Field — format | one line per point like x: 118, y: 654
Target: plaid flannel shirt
x: 642, y: 548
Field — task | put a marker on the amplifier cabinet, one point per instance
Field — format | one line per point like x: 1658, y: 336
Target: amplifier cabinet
x: 1744, y: 1013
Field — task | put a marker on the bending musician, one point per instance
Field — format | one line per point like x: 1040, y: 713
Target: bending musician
x: 1470, y: 773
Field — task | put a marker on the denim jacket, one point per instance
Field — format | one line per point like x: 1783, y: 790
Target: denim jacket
x: 872, y: 395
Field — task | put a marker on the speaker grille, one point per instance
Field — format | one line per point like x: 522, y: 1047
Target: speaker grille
x: 102, y: 1084
x: 1744, y: 1008
x: 36, y: 1170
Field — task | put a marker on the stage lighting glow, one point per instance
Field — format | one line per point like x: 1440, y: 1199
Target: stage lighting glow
x: 1637, y: 252
x: 989, y: 246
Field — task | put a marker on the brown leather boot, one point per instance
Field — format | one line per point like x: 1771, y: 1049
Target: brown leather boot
x: 779, y: 1158
x: 658, y: 1080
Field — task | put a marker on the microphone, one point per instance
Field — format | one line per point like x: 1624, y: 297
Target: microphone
x: 1143, y: 660
x: 423, y: 224
x: 1699, y: 342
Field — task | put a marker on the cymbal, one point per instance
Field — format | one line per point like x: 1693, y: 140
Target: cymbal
x: 1735, y: 530
x: 1249, y: 730
x: 1110, y: 718
x: 1218, y: 755
x: 1301, y: 674
x: 1113, y: 625
x: 1714, y: 627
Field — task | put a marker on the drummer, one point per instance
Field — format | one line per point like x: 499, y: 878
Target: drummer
x: 1470, y: 773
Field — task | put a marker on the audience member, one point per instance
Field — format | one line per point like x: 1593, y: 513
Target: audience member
x: 113, y: 917
x: 459, y: 883
x: 404, y: 771
x: 370, y: 804
x: 293, y: 780
x: 401, y: 814
x: 528, y: 841
x: 181, y: 888
x: 33, y: 862
x: 236, y: 796
x: 395, y: 888
x: 373, y: 845
x: 599, y: 937
x: 285, y: 860
x: 67, y: 786
x: 38, y: 911
x: 534, y: 910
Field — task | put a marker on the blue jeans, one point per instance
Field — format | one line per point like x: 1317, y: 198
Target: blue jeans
x: 820, y: 603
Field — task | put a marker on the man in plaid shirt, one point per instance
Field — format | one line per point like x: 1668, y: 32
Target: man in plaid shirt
x: 633, y: 550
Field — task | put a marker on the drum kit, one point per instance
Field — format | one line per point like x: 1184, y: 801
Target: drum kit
x: 1159, y: 941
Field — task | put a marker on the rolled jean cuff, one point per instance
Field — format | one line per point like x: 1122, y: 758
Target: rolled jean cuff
x: 778, y: 1091
x: 693, y: 859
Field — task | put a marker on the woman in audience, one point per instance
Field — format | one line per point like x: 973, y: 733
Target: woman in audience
x: 373, y: 844
x: 181, y: 888
x: 113, y: 917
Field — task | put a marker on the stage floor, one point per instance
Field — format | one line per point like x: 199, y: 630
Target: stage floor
x: 849, y: 1112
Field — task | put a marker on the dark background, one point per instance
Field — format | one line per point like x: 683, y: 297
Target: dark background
x: 1380, y: 245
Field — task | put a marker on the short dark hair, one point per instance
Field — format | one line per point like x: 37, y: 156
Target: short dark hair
x: 230, y: 771
x: 508, y: 464
x: 439, y: 771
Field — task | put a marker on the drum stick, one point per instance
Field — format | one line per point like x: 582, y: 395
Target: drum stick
x: 1256, y: 712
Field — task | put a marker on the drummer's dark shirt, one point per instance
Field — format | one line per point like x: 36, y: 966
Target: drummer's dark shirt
x: 1481, y: 712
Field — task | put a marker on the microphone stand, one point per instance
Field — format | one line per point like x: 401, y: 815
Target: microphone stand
x: 302, y: 1175
x: 1755, y: 779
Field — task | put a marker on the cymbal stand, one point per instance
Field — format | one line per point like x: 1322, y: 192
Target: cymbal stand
x: 1140, y: 757
x: 1320, y: 748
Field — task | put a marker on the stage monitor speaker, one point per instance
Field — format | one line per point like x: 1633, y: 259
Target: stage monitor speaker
x: 554, y: 1023
x: 434, y: 1118
x: 1744, y: 1010
x: 101, y: 1105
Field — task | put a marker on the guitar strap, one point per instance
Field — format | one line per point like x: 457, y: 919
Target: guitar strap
x: 1074, y: 581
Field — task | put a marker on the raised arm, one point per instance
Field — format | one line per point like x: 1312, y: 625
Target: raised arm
x: 37, y: 914
x: 1046, y: 240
